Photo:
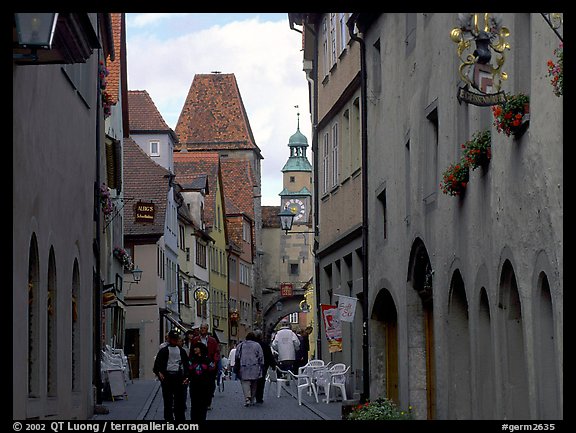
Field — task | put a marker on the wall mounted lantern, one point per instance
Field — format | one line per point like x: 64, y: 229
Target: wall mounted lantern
x: 35, y: 31
x: 137, y: 274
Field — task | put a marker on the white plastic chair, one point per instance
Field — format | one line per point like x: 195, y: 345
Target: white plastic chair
x: 272, y: 377
x: 336, y: 377
x: 304, y: 382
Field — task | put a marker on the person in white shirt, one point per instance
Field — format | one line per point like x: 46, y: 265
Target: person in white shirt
x: 286, y: 343
x: 231, y: 361
x: 171, y: 367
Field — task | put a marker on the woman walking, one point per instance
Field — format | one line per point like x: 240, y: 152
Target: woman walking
x: 200, y: 375
x: 249, y: 365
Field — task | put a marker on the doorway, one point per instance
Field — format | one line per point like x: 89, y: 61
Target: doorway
x: 132, y: 351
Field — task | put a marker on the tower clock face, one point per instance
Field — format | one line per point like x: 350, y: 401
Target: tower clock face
x: 297, y: 207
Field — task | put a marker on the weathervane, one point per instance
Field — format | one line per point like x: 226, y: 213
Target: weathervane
x: 476, y: 67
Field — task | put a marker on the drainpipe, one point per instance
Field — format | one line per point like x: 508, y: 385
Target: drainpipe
x: 364, y: 120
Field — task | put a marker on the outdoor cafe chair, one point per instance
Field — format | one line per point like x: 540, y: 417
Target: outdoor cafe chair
x: 304, y: 382
x: 335, y: 377
x: 273, y: 377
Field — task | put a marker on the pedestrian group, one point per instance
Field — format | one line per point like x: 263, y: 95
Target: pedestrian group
x: 194, y: 364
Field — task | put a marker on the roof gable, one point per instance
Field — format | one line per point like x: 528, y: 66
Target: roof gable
x: 146, y: 181
x: 144, y: 116
x: 214, y: 114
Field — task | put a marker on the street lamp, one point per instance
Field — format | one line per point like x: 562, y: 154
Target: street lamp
x: 137, y: 274
x: 35, y: 30
x: 287, y: 219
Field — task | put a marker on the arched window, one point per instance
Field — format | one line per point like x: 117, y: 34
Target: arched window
x: 33, y: 321
x: 51, y: 328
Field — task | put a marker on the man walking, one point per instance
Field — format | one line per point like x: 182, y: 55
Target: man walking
x: 171, y: 366
x: 213, y: 355
x: 286, y: 343
x: 269, y: 362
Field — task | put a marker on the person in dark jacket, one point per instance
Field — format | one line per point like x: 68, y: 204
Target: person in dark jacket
x: 170, y: 366
x: 200, y: 374
x: 269, y: 362
x: 302, y: 352
x: 213, y: 353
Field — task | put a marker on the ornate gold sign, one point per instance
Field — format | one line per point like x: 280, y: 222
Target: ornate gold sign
x: 481, y: 50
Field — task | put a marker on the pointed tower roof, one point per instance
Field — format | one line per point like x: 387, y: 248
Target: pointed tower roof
x: 214, y: 117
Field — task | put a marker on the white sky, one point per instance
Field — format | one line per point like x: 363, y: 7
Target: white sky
x: 166, y: 50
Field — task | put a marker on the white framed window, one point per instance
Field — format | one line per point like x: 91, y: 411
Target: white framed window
x: 246, y: 231
x: 325, y: 162
x: 293, y: 318
x: 154, y: 148
x: 333, y: 44
x: 343, y: 32
x: 325, y: 49
x: 335, y: 155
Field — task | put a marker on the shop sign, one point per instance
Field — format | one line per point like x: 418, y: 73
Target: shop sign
x: 144, y: 212
x: 286, y: 289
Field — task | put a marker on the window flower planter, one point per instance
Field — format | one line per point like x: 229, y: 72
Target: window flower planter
x: 478, y: 150
x: 106, y: 201
x: 512, y: 117
x: 455, y: 178
x: 122, y: 255
x: 556, y: 71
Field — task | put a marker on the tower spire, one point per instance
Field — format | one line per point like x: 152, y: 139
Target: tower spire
x: 298, y: 118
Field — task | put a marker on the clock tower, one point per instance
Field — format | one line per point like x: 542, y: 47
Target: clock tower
x: 297, y: 179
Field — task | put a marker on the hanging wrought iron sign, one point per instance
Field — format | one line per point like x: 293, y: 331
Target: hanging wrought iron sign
x: 481, y: 51
x: 144, y: 212
x: 201, y: 294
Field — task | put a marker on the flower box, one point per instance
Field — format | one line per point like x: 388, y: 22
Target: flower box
x: 478, y: 150
x: 512, y: 116
x: 455, y: 178
x: 556, y: 71
x: 122, y: 255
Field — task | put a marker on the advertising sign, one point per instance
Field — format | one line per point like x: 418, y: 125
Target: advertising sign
x: 331, y: 317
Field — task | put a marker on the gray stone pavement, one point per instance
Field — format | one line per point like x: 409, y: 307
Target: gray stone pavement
x: 144, y: 402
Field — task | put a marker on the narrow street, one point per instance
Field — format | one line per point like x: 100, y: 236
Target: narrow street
x: 144, y: 402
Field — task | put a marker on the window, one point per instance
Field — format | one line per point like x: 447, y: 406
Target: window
x: 335, y: 160
x: 293, y: 318
x: 182, y: 239
x: 154, y: 148
x: 343, y: 32
x: 292, y: 179
x: 294, y: 269
x: 325, y: 161
x: 432, y: 155
x: 382, y: 199
x: 410, y: 32
x: 325, y: 50
x: 200, y: 254
x: 232, y: 269
x: 333, y: 55
x: 246, y: 231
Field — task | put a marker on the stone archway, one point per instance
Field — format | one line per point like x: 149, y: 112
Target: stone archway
x: 272, y: 315
x: 419, y: 298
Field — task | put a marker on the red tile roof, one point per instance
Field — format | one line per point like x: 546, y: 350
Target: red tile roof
x: 239, y: 185
x: 270, y: 216
x: 213, y: 116
x: 189, y: 165
x: 144, y: 116
x: 143, y: 180
x: 113, y: 78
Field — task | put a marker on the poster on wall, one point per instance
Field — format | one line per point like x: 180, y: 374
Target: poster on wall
x: 331, y: 317
x: 346, y: 308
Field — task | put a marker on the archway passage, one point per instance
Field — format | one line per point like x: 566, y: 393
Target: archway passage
x: 485, y: 361
x: 421, y: 332
x: 277, y: 309
x: 386, y: 341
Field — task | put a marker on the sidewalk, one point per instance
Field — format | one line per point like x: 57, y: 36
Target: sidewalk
x: 135, y: 405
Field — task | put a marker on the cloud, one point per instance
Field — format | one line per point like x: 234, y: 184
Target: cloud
x: 143, y: 20
x: 265, y: 57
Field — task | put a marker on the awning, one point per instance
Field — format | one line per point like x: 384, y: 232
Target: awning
x: 220, y: 336
x: 176, y: 322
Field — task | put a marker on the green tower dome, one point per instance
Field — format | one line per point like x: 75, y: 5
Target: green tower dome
x: 298, y: 139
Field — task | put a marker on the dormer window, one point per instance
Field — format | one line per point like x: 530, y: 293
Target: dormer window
x: 154, y: 148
